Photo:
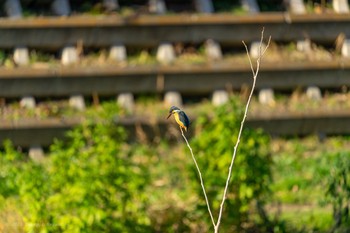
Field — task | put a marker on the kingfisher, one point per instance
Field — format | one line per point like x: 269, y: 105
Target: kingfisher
x: 180, y: 117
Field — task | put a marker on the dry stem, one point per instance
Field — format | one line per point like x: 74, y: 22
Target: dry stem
x: 200, y: 178
x: 255, y: 74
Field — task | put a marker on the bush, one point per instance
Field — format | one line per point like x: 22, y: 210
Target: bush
x: 251, y: 175
x: 87, y: 184
x: 24, y: 182
x: 338, y: 192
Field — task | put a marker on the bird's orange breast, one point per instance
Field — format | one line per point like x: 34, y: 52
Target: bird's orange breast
x: 179, y: 122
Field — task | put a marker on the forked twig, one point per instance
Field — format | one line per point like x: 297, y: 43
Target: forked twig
x: 200, y: 177
x: 255, y: 74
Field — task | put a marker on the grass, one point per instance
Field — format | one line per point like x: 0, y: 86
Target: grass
x: 300, y: 169
x: 142, y: 58
x: 36, y: 56
x: 311, y: 219
x: 289, y: 52
x: 301, y: 166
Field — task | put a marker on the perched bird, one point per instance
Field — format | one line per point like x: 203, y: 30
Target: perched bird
x: 180, y: 117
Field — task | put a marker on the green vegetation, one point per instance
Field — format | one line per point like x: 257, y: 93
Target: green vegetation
x: 228, y: 6
x: 304, y: 170
x: 83, y: 186
x: 251, y: 177
x: 90, y: 8
x: 39, y: 56
x: 5, y: 59
x: 338, y: 191
x: 318, y: 7
x: 2, y: 57
x: 95, y: 181
x: 143, y: 58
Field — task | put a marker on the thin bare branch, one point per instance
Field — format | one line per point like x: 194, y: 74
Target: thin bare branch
x: 200, y: 178
x: 255, y: 74
x: 250, y: 60
x: 261, y: 53
x: 268, y: 44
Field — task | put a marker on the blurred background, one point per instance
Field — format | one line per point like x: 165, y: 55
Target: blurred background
x: 85, y: 87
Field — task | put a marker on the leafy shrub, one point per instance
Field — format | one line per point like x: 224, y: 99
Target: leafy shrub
x: 251, y: 171
x: 89, y: 183
x: 338, y: 192
x: 10, y: 161
x: 23, y: 181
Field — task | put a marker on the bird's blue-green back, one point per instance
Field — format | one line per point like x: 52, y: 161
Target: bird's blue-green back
x: 184, y: 118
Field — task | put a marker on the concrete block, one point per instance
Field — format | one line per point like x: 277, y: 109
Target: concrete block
x: 314, y: 93
x: 157, y: 6
x: 267, y: 96
x: 204, y: 6
x: 220, y: 97
x: 21, y: 56
x: 297, y: 6
x: 28, y: 102
x: 77, y: 102
x: 13, y: 8
x: 61, y: 7
x: 126, y: 101
x: 345, y: 49
x: 173, y: 98
x: 304, y: 46
x: 166, y: 53
x: 118, y: 53
x: 250, y: 6
x: 213, y: 50
x: 255, y: 49
x: 110, y: 5
x: 36, y: 153
x: 69, y: 55
x: 341, y: 6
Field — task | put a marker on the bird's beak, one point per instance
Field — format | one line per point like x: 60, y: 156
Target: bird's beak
x: 169, y: 115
